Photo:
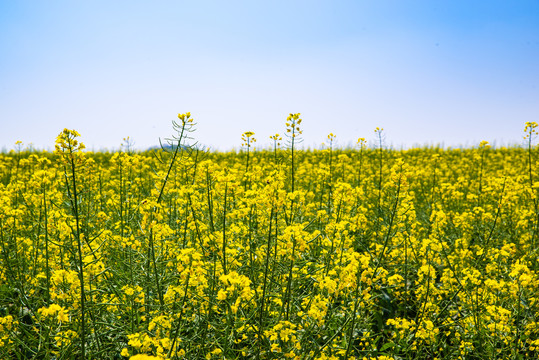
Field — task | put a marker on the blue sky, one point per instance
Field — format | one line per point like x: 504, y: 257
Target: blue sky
x: 451, y: 72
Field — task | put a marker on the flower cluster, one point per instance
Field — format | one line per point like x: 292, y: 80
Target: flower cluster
x: 365, y: 253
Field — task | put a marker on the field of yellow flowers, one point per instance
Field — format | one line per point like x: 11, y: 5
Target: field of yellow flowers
x: 364, y: 253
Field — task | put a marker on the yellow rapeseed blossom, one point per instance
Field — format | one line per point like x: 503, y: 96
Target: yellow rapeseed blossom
x: 363, y: 252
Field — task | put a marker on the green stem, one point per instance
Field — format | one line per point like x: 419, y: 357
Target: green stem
x: 263, y: 299
x: 224, y: 230
x: 75, y: 208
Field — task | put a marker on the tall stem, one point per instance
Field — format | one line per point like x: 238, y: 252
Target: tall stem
x: 75, y: 208
x: 264, y: 286
x: 224, y: 230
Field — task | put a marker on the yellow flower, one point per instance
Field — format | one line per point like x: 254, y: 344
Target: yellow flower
x: 62, y: 316
x: 221, y: 295
x: 145, y: 357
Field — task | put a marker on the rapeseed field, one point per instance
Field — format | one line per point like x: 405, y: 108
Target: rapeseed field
x: 283, y: 253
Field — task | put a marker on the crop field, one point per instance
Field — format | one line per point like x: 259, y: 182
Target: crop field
x: 281, y: 253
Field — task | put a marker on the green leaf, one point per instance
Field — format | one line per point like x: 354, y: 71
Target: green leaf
x: 387, y: 346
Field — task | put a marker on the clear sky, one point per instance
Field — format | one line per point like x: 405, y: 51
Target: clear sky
x: 446, y: 71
